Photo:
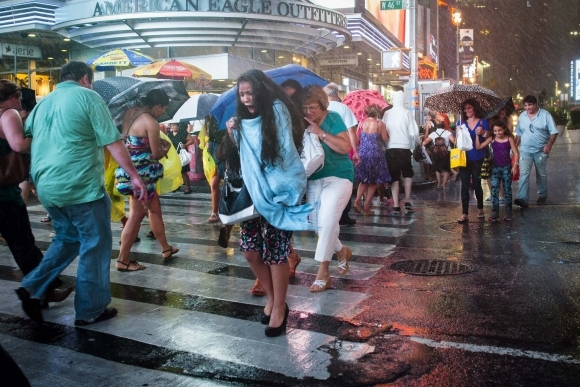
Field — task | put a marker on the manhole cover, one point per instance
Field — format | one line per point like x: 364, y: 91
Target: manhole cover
x: 482, y: 227
x: 431, y: 267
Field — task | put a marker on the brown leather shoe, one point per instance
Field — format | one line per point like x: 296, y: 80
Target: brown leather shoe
x: 58, y: 295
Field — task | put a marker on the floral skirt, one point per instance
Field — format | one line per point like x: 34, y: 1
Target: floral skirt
x: 259, y: 235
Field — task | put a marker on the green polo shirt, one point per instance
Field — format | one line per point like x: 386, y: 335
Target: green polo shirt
x: 69, y: 128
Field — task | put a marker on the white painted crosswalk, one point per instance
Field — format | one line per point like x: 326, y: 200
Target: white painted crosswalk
x: 198, y: 306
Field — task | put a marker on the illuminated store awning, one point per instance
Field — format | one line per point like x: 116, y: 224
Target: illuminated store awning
x: 291, y: 25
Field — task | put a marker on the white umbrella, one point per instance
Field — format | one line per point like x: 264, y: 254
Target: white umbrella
x: 195, y: 108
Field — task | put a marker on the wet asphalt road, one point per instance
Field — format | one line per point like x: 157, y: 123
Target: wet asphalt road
x: 512, y: 320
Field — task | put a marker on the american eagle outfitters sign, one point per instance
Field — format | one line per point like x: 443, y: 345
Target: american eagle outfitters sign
x: 295, y: 9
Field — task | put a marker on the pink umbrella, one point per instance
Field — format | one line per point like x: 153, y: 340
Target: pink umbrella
x: 358, y: 100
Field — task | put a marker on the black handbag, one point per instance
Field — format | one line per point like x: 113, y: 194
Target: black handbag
x: 235, y: 202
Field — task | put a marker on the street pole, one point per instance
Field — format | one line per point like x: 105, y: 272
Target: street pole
x: 438, y: 57
x: 413, y: 81
x: 458, y: 70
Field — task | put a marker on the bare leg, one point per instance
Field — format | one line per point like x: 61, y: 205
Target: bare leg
x: 445, y: 178
x: 156, y: 223
x: 408, y: 183
x: 279, y: 275
x: 215, y: 193
x: 360, y: 191
x: 370, y: 193
x: 262, y: 272
x: 395, y: 192
x: 438, y: 174
x: 185, y: 177
x: 381, y: 191
x: 129, y: 233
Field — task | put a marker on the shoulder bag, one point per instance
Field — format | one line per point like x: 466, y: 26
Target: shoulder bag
x: 14, y: 166
x: 184, y: 155
x: 312, y: 153
x: 235, y: 202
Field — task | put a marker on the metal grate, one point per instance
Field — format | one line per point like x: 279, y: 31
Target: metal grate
x: 431, y: 267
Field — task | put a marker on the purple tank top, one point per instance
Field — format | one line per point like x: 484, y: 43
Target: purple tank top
x: 501, y: 153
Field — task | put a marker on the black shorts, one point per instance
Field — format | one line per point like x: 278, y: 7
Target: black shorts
x: 185, y: 168
x: 399, y: 162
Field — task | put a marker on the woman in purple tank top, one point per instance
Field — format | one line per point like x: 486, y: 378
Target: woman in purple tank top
x: 502, y: 141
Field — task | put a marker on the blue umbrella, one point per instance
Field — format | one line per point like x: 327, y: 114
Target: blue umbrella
x: 225, y: 106
x: 110, y: 87
x: 118, y: 58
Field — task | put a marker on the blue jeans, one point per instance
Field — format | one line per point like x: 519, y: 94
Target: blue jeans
x: 539, y: 159
x: 499, y: 174
x: 82, y: 230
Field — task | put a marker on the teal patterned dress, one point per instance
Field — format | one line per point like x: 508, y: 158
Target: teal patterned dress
x: 149, y: 169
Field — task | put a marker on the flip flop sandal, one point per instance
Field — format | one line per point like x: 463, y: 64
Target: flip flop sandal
x: 46, y: 219
x: 343, y: 265
x: 139, y: 266
x: 293, y: 263
x: 214, y: 218
x: 320, y: 286
x: 150, y: 235
x: 258, y: 290
x: 172, y: 251
x: 463, y: 219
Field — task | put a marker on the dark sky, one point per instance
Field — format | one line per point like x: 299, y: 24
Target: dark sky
x: 531, y: 44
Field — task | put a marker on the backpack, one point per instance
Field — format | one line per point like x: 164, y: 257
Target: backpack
x: 440, y: 148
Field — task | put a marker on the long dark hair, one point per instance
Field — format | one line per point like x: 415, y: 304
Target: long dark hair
x: 479, y: 113
x: 265, y: 92
x: 501, y: 124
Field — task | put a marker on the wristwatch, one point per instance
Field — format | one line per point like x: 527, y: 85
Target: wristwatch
x: 323, y: 136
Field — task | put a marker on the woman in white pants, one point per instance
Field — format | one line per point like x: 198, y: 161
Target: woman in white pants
x: 329, y: 189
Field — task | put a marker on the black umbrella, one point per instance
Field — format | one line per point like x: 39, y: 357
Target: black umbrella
x: 507, y: 104
x: 108, y: 88
x: 133, y: 96
x: 448, y: 99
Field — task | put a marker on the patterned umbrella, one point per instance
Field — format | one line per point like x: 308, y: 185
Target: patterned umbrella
x: 196, y: 107
x: 506, y: 103
x: 449, y: 99
x: 172, y: 69
x: 133, y: 96
x: 225, y: 107
x: 108, y: 88
x: 119, y: 58
x: 358, y: 100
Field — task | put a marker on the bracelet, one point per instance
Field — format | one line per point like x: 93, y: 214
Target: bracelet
x: 323, y: 136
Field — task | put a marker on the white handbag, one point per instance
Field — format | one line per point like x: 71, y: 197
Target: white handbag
x: 184, y: 155
x: 464, y: 141
x: 312, y: 153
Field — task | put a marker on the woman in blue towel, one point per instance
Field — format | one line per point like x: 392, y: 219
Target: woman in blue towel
x: 269, y: 137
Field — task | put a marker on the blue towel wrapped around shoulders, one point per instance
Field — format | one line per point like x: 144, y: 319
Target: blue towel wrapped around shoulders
x: 278, y: 189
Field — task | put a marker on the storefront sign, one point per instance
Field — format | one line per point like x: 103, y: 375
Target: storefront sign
x: 21, y: 51
x: 339, y: 60
x: 427, y: 70
x: 295, y: 9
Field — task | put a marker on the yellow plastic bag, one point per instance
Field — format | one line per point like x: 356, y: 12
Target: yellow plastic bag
x: 172, y: 178
x: 117, y: 200
x: 209, y: 165
x: 458, y: 158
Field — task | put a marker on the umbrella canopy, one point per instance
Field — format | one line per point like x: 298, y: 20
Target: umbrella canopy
x: 195, y: 108
x: 173, y: 69
x: 225, y: 107
x: 133, y: 96
x: 449, y: 99
x: 358, y: 100
x: 119, y: 58
x: 506, y: 103
x: 108, y: 88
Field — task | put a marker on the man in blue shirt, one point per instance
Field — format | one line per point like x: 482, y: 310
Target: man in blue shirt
x: 536, y: 132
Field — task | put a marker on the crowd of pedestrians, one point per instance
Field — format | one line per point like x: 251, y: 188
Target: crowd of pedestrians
x: 67, y: 132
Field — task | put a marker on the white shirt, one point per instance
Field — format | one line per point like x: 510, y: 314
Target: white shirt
x: 344, y: 112
x: 445, y: 134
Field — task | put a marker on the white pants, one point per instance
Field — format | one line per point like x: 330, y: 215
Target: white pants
x: 332, y: 194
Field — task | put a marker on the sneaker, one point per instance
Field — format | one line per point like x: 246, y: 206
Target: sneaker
x: 502, y: 200
x: 488, y: 199
x: 408, y: 206
x: 396, y: 210
x: 542, y: 199
x: 508, y: 216
x: 347, y: 221
x: 107, y: 314
x: 31, y: 306
x: 521, y: 202
x: 494, y: 217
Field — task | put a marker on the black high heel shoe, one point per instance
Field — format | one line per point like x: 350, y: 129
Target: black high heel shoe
x: 265, y: 319
x: 273, y: 332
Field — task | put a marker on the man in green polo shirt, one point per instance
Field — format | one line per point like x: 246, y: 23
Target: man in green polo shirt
x: 69, y: 129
